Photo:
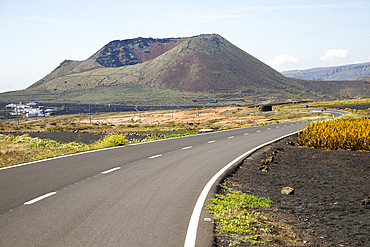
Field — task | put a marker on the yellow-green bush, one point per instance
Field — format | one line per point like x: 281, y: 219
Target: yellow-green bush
x: 337, y: 133
x: 21, y: 149
x: 111, y: 140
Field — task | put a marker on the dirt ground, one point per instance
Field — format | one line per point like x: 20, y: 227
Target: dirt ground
x: 219, y: 114
x: 65, y: 136
x: 326, y: 207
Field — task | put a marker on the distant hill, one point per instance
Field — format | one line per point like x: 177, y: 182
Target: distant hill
x: 175, y: 71
x: 337, y: 73
x: 205, y: 63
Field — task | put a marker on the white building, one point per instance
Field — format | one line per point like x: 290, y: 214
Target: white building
x: 30, y: 110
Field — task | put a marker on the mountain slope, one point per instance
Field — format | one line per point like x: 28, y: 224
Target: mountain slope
x: 337, y: 73
x: 205, y: 63
x: 116, y: 53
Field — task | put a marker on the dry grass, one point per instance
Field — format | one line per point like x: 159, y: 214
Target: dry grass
x: 217, y: 118
x: 15, y: 150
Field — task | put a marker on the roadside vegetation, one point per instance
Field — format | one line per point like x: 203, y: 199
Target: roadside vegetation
x: 21, y: 149
x: 240, y: 217
x: 352, y: 134
x: 233, y: 213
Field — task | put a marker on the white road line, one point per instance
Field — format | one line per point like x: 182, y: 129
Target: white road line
x: 268, y: 128
x: 230, y: 137
x: 155, y: 156
x: 187, y: 147
x: 277, y: 127
x: 258, y: 131
x: 212, y: 141
x: 40, y: 198
x: 191, y: 234
x: 246, y: 134
x: 111, y: 170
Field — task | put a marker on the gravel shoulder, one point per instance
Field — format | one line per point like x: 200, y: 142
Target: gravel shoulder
x: 326, y: 207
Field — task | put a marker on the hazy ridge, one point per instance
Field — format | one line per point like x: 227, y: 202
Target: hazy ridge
x: 336, y: 73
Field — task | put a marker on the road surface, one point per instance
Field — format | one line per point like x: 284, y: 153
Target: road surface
x: 137, y: 195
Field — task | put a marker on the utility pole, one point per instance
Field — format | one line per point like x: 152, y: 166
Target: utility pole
x: 90, y: 112
x: 17, y: 113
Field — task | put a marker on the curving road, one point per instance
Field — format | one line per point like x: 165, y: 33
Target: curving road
x: 137, y: 195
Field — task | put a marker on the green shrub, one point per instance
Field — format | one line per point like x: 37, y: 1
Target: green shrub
x: 111, y: 140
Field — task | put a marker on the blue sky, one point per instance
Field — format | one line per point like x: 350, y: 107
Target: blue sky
x: 36, y: 36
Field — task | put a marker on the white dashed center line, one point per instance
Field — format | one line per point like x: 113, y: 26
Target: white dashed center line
x: 155, y: 156
x: 230, y: 137
x: 277, y: 127
x: 40, y: 198
x: 258, y: 131
x: 268, y: 128
x: 111, y: 170
x: 187, y: 147
x: 246, y: 134
x: 212, y: 141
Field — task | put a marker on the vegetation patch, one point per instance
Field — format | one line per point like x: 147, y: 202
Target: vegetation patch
x: 239, y: 219
x: 232, y: 211
x: 337, y: 134
x: 22, y: 149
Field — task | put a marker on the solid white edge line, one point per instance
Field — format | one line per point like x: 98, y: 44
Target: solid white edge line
x: 111, y: 170
x: 191, y: 234
x: 155, y: 156
x: 59, y: 157
x: 40, y: 198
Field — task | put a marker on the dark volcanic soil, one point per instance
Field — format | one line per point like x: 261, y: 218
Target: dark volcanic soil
x: 65, y: 136
x: 329, y: 186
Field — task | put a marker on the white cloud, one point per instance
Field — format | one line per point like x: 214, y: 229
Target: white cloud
x: 281, y: 59
x: 334, y: 54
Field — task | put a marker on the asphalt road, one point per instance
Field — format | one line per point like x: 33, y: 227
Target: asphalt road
x: 137, y: 195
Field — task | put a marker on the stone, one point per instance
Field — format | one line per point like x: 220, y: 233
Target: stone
x: 264, y: 170
x: 287, y: 191
x: 366, y: 201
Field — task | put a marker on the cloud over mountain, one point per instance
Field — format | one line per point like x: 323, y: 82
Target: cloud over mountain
x: 334, y: 54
